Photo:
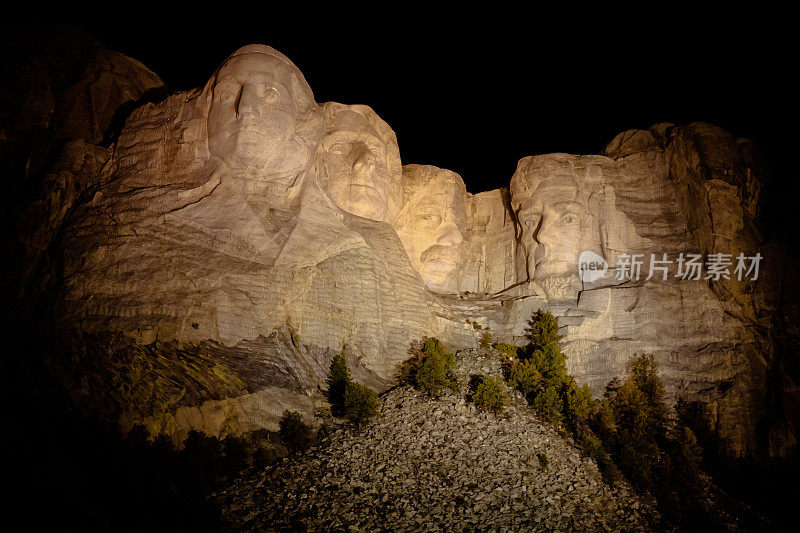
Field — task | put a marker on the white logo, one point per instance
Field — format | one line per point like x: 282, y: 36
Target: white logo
x: 591, y: 266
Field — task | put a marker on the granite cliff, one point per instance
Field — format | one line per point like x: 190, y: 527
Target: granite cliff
x: 200, y: 269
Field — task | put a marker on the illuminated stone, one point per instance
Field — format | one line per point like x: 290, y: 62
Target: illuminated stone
x: 431, y: 224
x: 359, y: 164
x: 244, y: 216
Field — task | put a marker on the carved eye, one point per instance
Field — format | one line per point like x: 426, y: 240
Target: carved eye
x: 271, y: 94
x: 530, y: 220
x: 368, y: 159
x: 431, y: 220
x: 338, y: 149
x: 569, y: 219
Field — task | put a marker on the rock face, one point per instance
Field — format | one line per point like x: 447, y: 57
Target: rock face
x: 64, y: 87
x: 659, y: 196
x: 359, y: 163
x: 246, y: 220
x: 431, y: 224
x: 213, y: 226
x: 64, y: 98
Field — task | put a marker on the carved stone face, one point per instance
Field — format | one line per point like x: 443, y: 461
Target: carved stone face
x: 555, y: 225
x: 359, y: 166
x: 254, y: 113
x: 430, y: 227
x: 552, y: 226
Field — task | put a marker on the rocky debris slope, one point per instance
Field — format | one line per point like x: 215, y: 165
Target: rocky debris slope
x: 436, y: 464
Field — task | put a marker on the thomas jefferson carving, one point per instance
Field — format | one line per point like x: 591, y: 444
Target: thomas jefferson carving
x: 359, y: 165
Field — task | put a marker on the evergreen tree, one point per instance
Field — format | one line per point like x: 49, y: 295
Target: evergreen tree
x: 605, y: 422
x: 490, y: 394
x: 295, y: 434
x: 637, y: 450
x: 509, y: 351
x: 593, y: 447
x: 639, y: 414
x: 486, y: 340
x: 360, y: 403
x: 337, y: 382
x: 524, y: 376
x: 579, y: 402
x: 542, y: 330
x: 548, y: 404
x: 644, y: 372
x: 552, y: 365
x: 434, y: 366
x: 687, y: 460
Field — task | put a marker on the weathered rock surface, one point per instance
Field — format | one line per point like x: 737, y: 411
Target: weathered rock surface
x: 63, y: 96
x: 211, y: 225
x: 669, y: 190
x: 438, y: 464
x: 244, y: 211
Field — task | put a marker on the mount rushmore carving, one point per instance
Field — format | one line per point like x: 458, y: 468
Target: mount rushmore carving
x: 270, y: 232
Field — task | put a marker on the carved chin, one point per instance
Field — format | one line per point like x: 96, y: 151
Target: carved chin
x: 439, y: 275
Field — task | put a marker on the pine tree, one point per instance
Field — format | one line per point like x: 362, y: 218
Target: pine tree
x: 435, y: 363
x: 579, y: 402
x: 337, y: 382
x: 295, y: 433
x: 490, y: 394
x: 542, y: 330
x: 548, y: 404
x: 639, y: 413
x: 486, y: 341
x: 644, y: 373
x: 552, y: 365
x: 360, y: 403
x: 688, y: 457
x: 524, y: 376
x: 605, y: 422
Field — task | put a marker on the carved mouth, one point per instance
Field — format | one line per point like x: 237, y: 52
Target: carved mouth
x: 248, y: 129
x: 440, y: 255
x: 252, y: 128
x: 358, y: 192
x: 365, y: 187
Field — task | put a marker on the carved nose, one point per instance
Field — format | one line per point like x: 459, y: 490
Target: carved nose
x: 540, y: 253
x: 546, y: 234
x: 248, y: 105
x: 543, y: 240
x: 364, y: 160
x: 449, y: 235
